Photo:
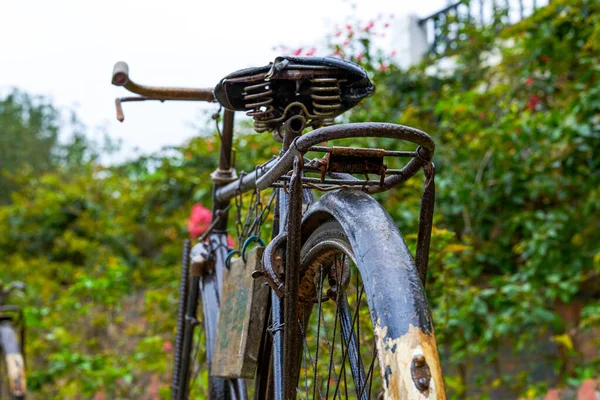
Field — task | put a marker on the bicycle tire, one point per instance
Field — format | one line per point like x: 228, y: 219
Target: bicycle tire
x: 395, y: 353
x: 206, y: 305
x: 12, y: 367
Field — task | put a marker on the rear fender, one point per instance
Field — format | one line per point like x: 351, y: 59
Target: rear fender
x: 407, y: 350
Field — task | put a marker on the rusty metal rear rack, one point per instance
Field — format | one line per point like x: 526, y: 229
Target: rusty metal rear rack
x: 272, y: 171
x: 275, y: 172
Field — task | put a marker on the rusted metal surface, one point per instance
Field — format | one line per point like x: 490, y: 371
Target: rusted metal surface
x: 403, y: 380
x: 200, y: 259
x: 425, y: 222
x: 318, y: 88
x: 403, y: 328
x: 241, y: 323
x: 420, y: 372
x: 13, y: 359
x: 291, y: 337
x: 120, y: 77
x: 353, y: 164
x: 273, y: 170
x: 366, y: 152
x: 272, y: 266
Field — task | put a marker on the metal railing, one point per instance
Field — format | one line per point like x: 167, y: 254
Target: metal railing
x: 444, y: 28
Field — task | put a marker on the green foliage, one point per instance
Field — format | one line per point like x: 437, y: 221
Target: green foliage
x: 28, y: 133
x: 516, y: 225
x: 99, y: 248
x: 518, y: 178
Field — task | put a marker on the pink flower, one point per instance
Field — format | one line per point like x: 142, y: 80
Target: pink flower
x: 230, y: 242
x: 529, y: 81
x: 383, y: 68
x: 349, y: 27
x: 359, y: 57
x: 533, y: 101
x: 338, y: 34
x: 346, y: 42
x: 167, y: 346
x: 199, y: 220
x: 386, y: 25
x: 311, y: 52
x: 393, y: 53
x: 369, y: 26
x: 297, y: 52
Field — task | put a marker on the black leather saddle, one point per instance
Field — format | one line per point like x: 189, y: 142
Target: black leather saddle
x: 320, y: 88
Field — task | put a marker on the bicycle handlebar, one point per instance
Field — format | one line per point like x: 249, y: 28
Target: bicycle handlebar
x: 120, y: 77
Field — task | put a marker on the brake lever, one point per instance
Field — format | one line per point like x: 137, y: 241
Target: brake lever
x: 119, y: 107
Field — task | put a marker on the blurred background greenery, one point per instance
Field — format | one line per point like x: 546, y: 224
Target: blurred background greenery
x: 514, y: 273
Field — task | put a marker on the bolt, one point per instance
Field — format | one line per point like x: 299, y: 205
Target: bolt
x: 257, y: 273
x: 422, y: 384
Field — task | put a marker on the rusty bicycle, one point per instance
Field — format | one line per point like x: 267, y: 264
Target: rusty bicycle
x: 12, y: 340
x: 333, y: 305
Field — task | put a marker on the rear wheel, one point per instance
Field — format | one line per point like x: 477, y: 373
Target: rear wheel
x: 347, y: 353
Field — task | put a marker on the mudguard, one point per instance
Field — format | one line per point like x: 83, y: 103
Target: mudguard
x: 407, y: 350
x: 13, y: 359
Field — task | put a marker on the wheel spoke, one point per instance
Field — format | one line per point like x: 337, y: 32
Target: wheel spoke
x: 352, y: 343
x: 332, y: 262
x: 319, y: 299
x: 345, y: 353
x: 370, y: 373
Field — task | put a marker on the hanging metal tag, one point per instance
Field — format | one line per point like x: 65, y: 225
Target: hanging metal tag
x: 241, y: 319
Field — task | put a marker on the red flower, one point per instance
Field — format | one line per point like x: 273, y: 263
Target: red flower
x: 533, y: 101
x: 297, y: 52
x: 369, y: 26
x: 311, y: 51
x: 529, y: 81
x: 230, y: 242
x: 167, y: 346
x: 386, y: 25
x: 544, y: 58
x: 199, y: 220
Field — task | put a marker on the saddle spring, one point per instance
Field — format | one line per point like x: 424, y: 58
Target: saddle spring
x: 258, y: 99
x: 326, y: 98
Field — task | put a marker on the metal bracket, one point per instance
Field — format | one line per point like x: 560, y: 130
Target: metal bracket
x: 223, y: 176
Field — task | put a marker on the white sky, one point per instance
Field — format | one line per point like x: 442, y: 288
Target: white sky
x: 65, y: 49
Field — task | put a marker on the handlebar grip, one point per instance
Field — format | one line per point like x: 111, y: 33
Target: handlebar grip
x: 120, y: 75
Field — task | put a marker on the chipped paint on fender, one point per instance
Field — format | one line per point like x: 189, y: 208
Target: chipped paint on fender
x: 16, y: 374
x: 395, y: 360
